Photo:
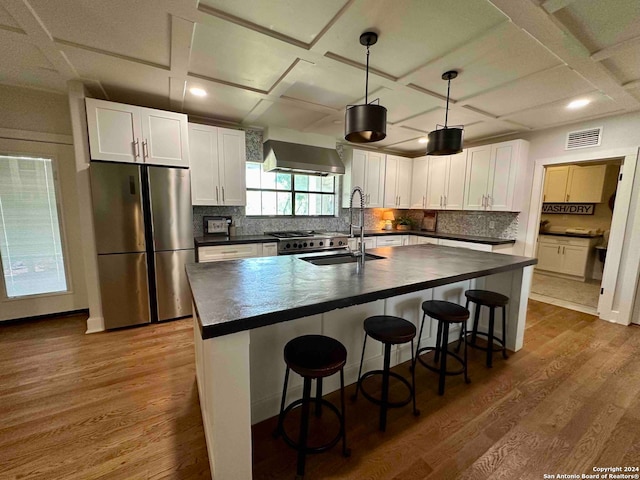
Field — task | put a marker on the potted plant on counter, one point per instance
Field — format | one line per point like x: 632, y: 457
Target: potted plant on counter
x: 405, y: 222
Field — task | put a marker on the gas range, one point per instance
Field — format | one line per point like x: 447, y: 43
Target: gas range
x: 305, y: 241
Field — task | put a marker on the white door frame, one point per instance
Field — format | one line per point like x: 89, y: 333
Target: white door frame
x: 619, y: 290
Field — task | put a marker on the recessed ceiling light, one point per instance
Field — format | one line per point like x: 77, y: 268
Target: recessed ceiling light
x: 198, y: 92
x: 423, y: 140
x: 583, y: 102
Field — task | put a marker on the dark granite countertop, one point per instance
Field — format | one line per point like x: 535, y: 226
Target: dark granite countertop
x: 237, y: 295
x: 578, y: 235
x: 213, y: 240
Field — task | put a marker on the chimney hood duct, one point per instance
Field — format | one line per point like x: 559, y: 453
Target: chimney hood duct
x: 293, y: 157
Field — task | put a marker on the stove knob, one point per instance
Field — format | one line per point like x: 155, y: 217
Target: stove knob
x: 295, y: 245
x: 321, y: 243
x: 331, y: 244
x: 311, y: 244
x: 304, y: 244
x: 288, y: 245
x: 340, y: 242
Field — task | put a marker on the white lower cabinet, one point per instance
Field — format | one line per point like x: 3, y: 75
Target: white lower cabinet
x: 390, y: 241
x: 566, y: 255
x: 219, y: 253
x: 269, y: 249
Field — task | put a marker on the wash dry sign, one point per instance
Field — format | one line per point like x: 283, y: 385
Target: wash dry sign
x: 569, y: 208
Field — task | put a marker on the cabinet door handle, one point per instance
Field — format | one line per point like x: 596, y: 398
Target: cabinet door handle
x: 445, y: 201
x: 136, y: 148
x: 424, y: 202
x: 563, y: 250
x: 558, y: 250
x: 217, y: 200
x: 145, y: 150
x: 483, y: 201
x: 544, y: 198
x: 222, y: 194
x: 567, y: 197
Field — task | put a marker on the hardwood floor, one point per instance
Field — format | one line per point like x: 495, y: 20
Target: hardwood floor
x: 123, y: 405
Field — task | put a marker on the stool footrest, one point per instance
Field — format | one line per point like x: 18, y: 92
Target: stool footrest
x: 436, y: 369
x: 321, y: 448
x: 486, y: 335
x: 378, y: 401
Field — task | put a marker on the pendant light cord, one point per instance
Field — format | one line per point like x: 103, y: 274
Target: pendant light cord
x: 366, y: 83
x: 446, y: 114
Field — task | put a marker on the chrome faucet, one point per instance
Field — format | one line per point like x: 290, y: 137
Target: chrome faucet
x: 360, y: 252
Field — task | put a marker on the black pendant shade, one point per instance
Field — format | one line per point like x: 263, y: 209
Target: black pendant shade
x: 447, y: 140
x: 367, y: 122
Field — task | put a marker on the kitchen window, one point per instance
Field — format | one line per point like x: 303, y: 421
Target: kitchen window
x: 30, y: 234
x: 288, y: 194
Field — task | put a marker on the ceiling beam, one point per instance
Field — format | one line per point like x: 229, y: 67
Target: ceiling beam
x: 30, y: 22
x: 553, y: 6
x: 564, y: 45
x: 182, y: 32
x: 612, y: 50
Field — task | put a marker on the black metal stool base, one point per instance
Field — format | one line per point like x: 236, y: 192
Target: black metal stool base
x: 309, y: 449
x: 379, y: 401
x: 436, y: 368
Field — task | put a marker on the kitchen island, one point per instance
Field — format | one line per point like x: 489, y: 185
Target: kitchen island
x: 246, y: 310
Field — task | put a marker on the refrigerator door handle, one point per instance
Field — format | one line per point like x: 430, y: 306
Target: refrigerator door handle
x: 132, y: 185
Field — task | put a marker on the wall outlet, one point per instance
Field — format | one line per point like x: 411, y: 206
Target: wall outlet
x: 492, y: 224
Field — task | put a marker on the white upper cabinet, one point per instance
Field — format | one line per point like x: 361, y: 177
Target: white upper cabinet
x: 454, y: 199
x: 574, y: 184
x: 397, y: 184
x: 445, y: 188
x: 218, y: 158
x: 365, y: 170
x: 419, y: 182
x: 496, y: 177
x: 126, y: 133
x: 437, y: 184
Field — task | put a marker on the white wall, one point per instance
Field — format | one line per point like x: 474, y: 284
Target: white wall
x: 619, y: 133
x: 33, y: 121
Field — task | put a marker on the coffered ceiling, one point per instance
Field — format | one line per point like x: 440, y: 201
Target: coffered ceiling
x: 298, y: 63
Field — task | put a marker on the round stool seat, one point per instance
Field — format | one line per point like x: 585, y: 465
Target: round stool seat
x: 445, y: 311
x: 487, y: 298
x: 315, y: 356
x: 389, y: 329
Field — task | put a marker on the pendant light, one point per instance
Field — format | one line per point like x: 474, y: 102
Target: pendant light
x: 367, y: 122
x: 447, y: 140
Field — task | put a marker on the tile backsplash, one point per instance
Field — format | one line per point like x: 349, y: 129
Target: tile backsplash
x: 505, y: 224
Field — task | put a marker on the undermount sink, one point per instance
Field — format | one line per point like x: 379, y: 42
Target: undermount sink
x: 339, y: 259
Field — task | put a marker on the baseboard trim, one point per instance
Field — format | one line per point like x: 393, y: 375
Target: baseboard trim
x: 95, y: 325
x: 69, y: 313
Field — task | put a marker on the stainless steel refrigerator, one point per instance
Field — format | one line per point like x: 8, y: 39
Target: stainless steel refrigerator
x: 144, y: 237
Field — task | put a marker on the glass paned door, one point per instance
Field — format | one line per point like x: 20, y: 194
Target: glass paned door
x: 30, y: 238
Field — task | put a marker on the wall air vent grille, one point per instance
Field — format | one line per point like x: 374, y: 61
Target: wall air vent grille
x: 584, y: 138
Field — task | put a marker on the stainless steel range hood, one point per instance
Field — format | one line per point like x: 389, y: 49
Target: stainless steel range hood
x: 293, y: 157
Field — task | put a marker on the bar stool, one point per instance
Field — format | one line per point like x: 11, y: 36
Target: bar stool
x: 313, y: 357
x: 447, y: 314
x: 388, y: 330
x: 492, y: 300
